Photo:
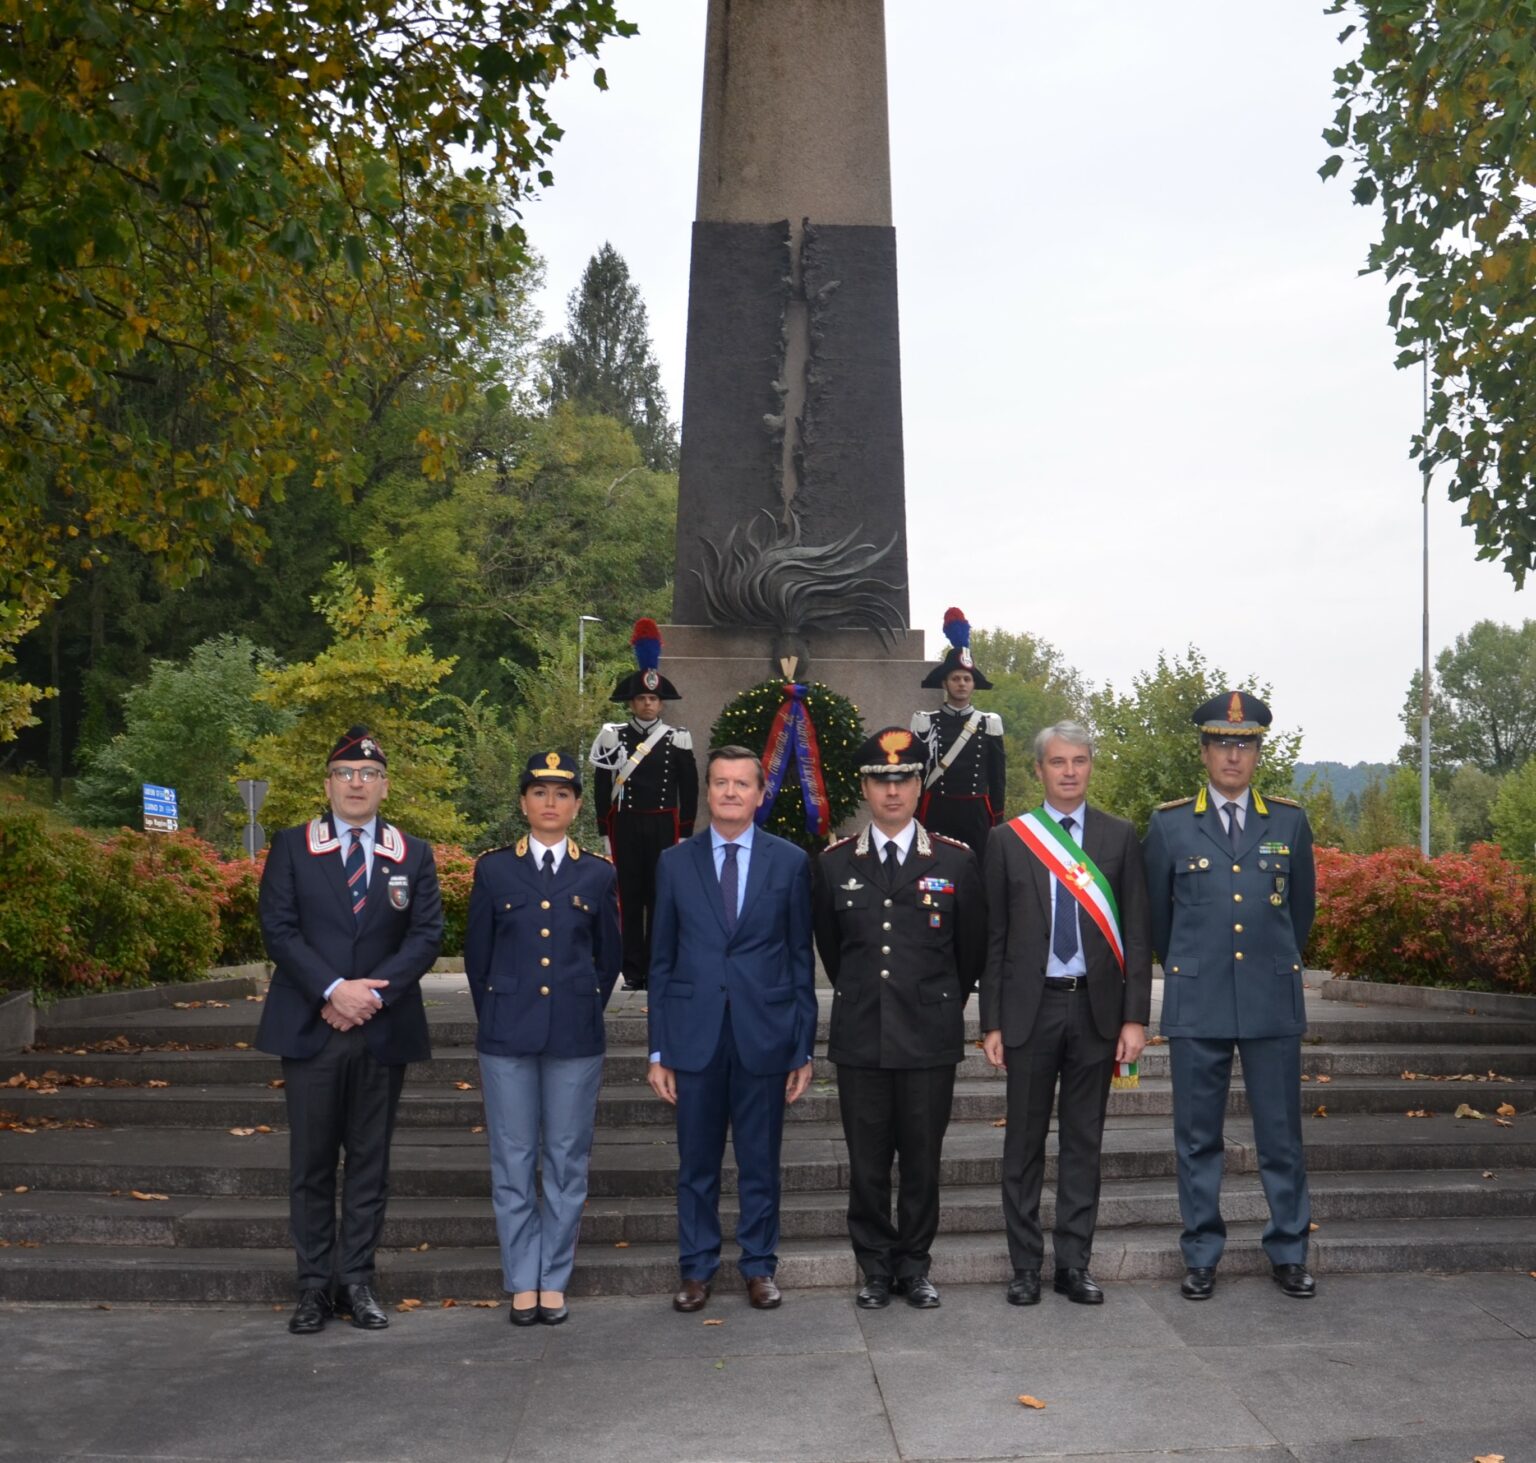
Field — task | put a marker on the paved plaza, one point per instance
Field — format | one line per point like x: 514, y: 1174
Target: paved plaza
x: 1378, y: 1369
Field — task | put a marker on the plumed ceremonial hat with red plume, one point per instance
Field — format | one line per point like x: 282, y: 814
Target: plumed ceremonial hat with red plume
x: 648, y: 680
x: 957, y: 630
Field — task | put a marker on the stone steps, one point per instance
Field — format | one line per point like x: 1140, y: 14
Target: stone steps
x: 977, y: 1099
x: 88, y: 1272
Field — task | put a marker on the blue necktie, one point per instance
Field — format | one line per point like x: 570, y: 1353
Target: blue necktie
x: 548, y: 868
x: 1064, y: 925
x: 728, y: 888
x: 357, y: 875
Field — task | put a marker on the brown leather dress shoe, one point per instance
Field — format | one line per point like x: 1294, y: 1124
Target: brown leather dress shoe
x: 691, y: 1295
x: 763, y: 1293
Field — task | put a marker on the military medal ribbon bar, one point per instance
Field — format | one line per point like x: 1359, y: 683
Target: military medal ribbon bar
x: 1045, y: 838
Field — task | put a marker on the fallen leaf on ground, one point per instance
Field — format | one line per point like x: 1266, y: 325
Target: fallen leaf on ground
x: 1311, y: 1226
x: 485, y: 1305
x: 465, y: 1086
x: 1505, y: 1110
x: 1466, y: 1110
x: 622, y: 1244
x: 262, y: 1128
x: 1305, y: 1078
x: 409, y: 1305
x: 1320, y: 1111
x: 478, y: 1128
x: 142, y: 1194
x: 242, y: 1046
x: 276, y: 1082
x: 157, y: 1082
x: 1158, y: 1041
x: 1502, y: 1123
x: 242, y: 1132
x: 20, y: 1189
x: 423, y: 1246
x: 714, y: 1323
x: 101, y: 1305
x: 449, y: 1303
x: 1025, y: 1400
x: 1000, y: 1122
x: 1418, y: 1112
x: 1488, y: 1173
x: 1325, y: 1078
x: 1489, y: 1458
x: 1411, y: 1076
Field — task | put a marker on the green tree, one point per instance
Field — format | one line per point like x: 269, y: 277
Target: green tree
x: 1034, y: 687
x: 605, y: 364
x: 1381, y: 823
x: 1514, y: 815
x: 1148, y: 747
x: 1483, y: 709
x: 373, y: 673
x: 188, y: 727
x: 1329, y: 830
x: 1405, y: 797
x: 1434, y: 118
x: 192, y: 191
x: 1469, y: 798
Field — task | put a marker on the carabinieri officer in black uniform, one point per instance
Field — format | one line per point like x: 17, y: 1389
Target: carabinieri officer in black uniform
x: 647, y: 789
x: 542, y: 954
x: 1233, y: 891
x: 901, y: 926
x: 966, y: 775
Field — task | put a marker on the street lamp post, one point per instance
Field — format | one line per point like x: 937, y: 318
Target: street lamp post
x: 582, y: 621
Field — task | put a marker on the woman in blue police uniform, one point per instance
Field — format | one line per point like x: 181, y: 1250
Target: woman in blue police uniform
x: 542, y: 953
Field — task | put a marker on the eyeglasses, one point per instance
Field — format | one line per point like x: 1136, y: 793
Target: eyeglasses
x: 362, y: 774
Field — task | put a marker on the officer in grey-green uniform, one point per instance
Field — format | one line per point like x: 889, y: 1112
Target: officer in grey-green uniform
x: 1233, y: 892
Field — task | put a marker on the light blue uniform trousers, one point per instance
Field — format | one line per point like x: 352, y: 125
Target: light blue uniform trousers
x: 539, y: 1114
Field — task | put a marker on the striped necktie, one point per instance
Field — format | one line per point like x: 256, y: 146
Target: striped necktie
x: 357, y: 875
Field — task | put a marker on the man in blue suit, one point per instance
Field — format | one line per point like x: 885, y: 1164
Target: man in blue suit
x: 1233, y: 892
x: 352, y: 919
x: 732, y: 1020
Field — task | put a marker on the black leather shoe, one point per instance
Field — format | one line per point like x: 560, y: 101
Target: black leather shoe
x: 525, y: 1316
x: 1078, y: 1286
x: 1294, y: 1281
x: 1024, y: 1288
x: 367, y: 1314
x: 634, y: 983
x: 552, y: 1315
x: 876, y: 1294
x: 922, y: 1294
x: 311, y: 1313
x: 1199, y: 1283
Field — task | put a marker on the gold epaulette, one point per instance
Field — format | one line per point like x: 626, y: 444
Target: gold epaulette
x: 1274, y: 797
x: 1176, y: 803
x: 521, y: 846
x: 593, y: 853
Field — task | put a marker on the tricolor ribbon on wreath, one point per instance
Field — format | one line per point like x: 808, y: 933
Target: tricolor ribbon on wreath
x: 793, y: 735
x: 1063, y: 857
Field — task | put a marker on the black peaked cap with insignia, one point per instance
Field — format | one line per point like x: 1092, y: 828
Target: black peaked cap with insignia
x: 551, y: 767
x: 891, y: 754
x: 357, y: 744
x: 1233, y: 714
x: 957, y: 630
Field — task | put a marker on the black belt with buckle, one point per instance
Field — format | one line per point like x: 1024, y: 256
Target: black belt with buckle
x: 1065, y: 982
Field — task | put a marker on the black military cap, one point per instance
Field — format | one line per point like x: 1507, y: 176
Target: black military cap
x: 1233, y: 714
x: 891, y: 754
x: 357, y: 744
x: 647, y: 680
x: 957, y: 630
x: 551, y: 767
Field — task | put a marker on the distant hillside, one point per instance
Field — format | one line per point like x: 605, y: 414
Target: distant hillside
x: 1344, y: 780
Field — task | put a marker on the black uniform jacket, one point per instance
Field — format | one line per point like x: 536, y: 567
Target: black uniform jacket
x: 665, y: 780
x: 542, y: 960
x: 1019, y: 898
x: 313, y: 939
x: 903, y: 957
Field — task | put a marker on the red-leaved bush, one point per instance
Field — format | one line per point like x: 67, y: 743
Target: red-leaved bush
x: 1462, y: 919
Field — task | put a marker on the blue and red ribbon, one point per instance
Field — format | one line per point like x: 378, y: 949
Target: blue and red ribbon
x: 793, y: 734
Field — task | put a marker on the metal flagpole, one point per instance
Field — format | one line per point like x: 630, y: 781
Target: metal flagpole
x: 1424, y: 672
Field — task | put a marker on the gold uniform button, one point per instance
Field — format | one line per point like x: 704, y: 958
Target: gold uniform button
x: 543, y: 934
x: 544, y: 960
x: 1205, y: 863
x: 543, y: 990
x: 1239, y: 955
x: 1175, y: 969
x: 1237, y: 868
x: 1237, y: 898
x: 507, y: 905
x: 543, y: 904
x: 1238, y: 929
x: 1295, y: 967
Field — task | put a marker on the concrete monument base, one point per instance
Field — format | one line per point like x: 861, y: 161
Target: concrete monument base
x: 712, y: 666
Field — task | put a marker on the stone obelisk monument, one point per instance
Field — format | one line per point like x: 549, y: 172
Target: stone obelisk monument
x: 792, y: 535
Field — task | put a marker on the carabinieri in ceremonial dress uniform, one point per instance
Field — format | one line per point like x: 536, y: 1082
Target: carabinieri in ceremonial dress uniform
x: 646, y: 785
x: 966, y: 772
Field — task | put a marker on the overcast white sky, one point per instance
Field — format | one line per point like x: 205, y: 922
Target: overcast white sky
x: 1148, y: 401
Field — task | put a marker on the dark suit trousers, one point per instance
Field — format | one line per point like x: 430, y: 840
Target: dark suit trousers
x: 639, y: 839
x: 969, y: 819
x: 1202, y: 1077
x: 342, y: 1099
x: 889, y: 1114
x: 1063, y: 1046
x: 726, y: 1093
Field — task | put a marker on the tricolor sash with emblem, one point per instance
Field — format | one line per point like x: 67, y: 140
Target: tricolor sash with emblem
x: 1061, y: 855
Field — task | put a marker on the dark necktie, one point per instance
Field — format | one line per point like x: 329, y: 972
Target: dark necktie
x: 728, y: 888
x: 1064, y: 925
x: 892, y: 861
x: 1233, y: 831
x: 357, y: 875
x: 548, y: 868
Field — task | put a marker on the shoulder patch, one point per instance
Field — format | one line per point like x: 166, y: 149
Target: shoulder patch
x: 1176, y: 803
x: 952, y: 842
x: 1274, y: 797
x: 921, y: 721
x: 682, y: 739
x: 606, y: 746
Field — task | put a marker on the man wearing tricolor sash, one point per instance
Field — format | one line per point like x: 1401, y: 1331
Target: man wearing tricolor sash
x: 1233, y: 892
x: 1066, y: 994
